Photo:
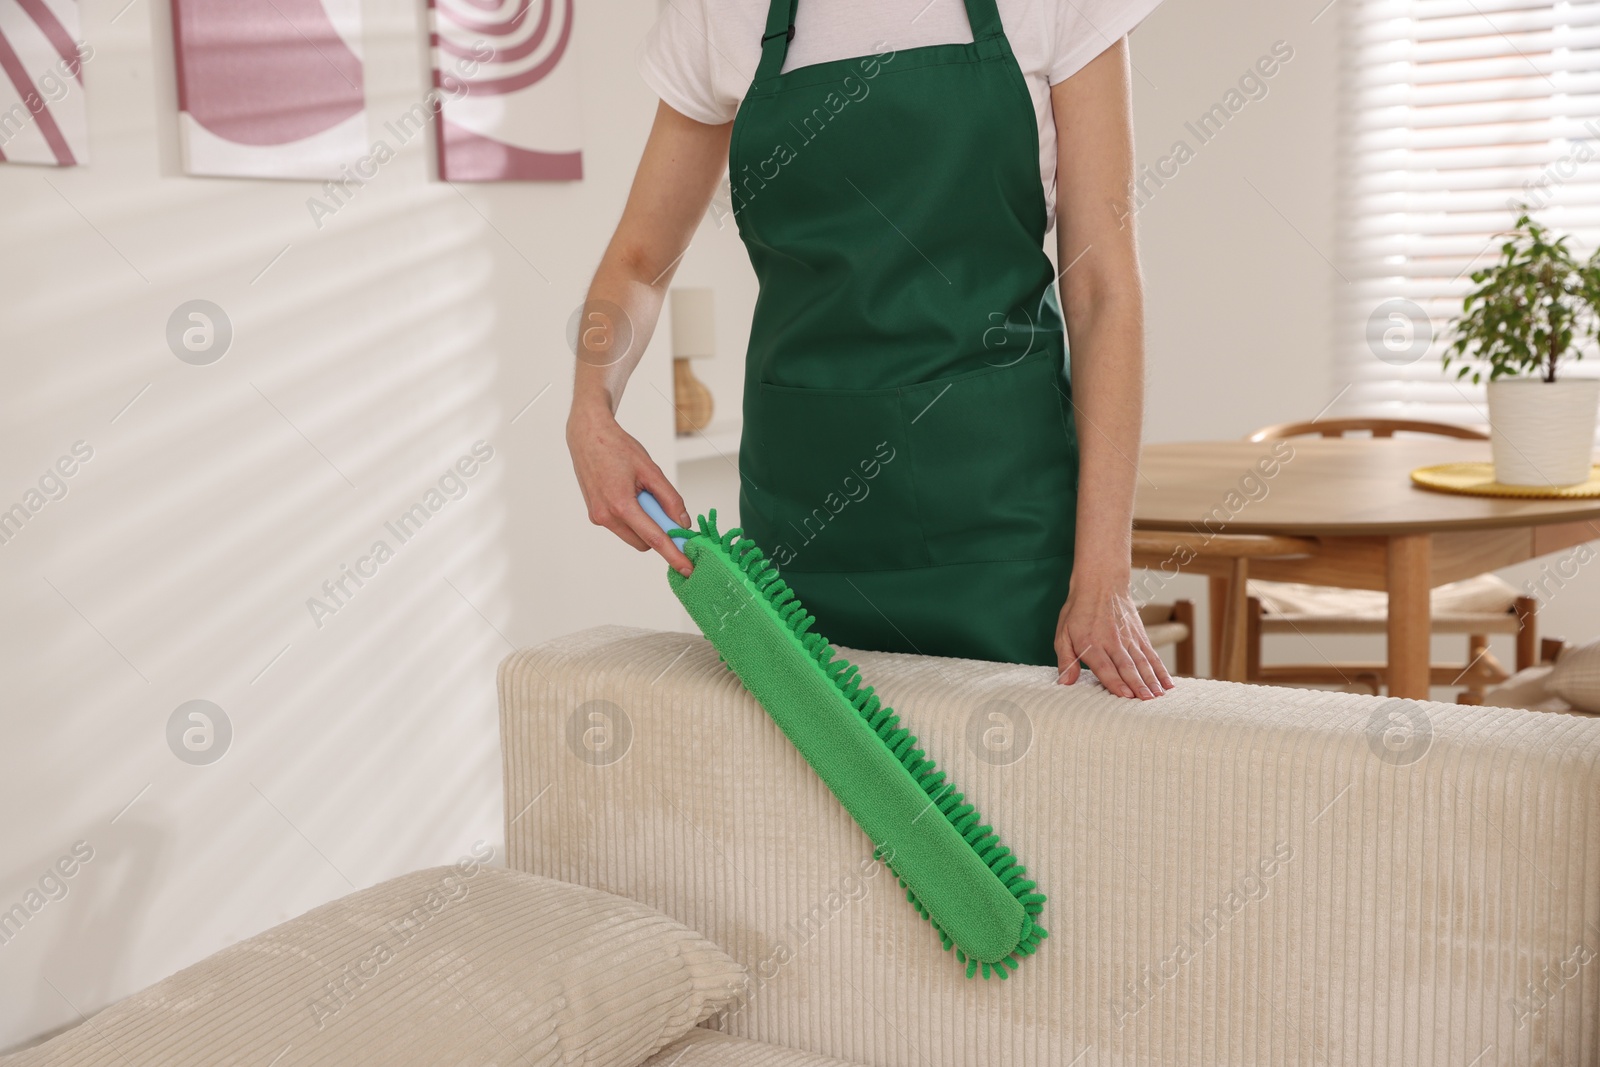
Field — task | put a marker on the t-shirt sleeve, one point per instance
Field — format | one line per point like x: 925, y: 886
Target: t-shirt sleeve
x: 1085, y: 28
x: 677, y: 62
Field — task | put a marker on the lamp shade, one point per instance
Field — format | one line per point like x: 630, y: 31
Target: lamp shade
x: 694, y: 324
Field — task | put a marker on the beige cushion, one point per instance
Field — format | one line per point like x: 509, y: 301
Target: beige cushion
x: 708, y: 1048
x: 1155, y: 612
x: 1576, y: 677
x: 459, y: 965
x: 1485, y: 594
x: 1166, y: 633
x: 1528, y: 689
x: 1159, y: 625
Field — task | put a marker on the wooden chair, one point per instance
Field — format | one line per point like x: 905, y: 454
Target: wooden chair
x: 1475, y: 607
x: 1172, y: 624
x: 1226, y: 558
x: 1377, y: 427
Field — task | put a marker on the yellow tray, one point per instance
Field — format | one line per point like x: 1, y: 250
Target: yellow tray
x: 1477, y: 479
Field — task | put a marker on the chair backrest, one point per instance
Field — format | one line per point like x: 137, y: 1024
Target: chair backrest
x: 1377, y: 427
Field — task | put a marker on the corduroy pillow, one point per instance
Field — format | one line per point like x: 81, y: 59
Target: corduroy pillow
x: 1576, y: 677
x: 464, y: 965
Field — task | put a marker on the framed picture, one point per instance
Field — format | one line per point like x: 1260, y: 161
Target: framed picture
x: 269, y: 88
x: 41, y: 83
x: 507, y: 81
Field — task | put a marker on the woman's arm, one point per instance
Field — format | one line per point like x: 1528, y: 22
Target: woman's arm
x: 1102, y: 299
x: 676, y: 177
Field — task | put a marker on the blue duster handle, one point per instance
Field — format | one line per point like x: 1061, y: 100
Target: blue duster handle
x: 653, y: 508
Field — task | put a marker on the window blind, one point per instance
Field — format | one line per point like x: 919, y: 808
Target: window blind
x: 1452, y: 112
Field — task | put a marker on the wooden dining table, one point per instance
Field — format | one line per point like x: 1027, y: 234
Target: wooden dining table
x: 1368, y: 525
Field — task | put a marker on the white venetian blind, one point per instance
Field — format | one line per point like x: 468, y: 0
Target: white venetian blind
x: 1452, y: 112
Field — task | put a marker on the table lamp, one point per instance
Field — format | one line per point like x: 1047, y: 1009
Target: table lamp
x: 694, y: 336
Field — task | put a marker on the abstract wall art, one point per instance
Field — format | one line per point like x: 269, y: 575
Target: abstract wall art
x: 42, y: 116
x: 269, y: 88
x: 508, y: 81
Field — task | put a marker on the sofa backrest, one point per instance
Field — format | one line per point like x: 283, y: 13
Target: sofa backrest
x: 1236, y: 874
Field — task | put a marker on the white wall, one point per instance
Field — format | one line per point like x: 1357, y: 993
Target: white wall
x: 366, y: 359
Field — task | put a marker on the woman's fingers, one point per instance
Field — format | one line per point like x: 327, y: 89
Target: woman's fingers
x: 645, y: 528
x: 1105, y: 668
x: 1099, y: 626
x: 651, y: 478
x: 666, y: 494
x: 1094, y: 656
x: 1145, y: 659
x: 623, y: 516
x: 1107, y: 659
x: 1067, y: 667
x: 1157, y: 666
x: 1125, y: 665
x: 1126, y: 661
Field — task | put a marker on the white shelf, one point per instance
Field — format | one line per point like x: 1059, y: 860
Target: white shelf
x: 719, y: 441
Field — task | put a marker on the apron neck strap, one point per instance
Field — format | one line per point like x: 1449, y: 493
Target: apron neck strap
x: 982, y: 15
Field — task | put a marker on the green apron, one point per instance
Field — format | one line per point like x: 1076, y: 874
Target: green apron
x: 909, y: 458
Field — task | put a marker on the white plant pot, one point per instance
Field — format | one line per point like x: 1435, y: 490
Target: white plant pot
x: 1542, y: 433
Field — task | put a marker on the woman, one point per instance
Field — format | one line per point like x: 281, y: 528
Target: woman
x: 910, y: 456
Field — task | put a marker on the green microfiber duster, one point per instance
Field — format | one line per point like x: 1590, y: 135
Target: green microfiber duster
x: 955, y: 871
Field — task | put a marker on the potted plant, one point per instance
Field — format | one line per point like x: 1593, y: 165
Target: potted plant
x: 1531, y: 312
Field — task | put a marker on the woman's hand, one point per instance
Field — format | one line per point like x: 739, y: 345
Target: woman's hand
x: 612, y: 467
x: 1100, y: 625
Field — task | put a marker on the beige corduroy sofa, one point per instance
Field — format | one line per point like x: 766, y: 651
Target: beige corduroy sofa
x: 1237, y: 875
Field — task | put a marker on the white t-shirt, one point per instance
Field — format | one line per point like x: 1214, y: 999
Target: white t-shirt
x: 701, y: 55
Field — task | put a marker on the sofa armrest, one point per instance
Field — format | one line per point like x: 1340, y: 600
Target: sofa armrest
x: 1237, y: 874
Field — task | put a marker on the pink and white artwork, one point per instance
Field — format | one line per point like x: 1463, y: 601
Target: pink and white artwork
x: 269, y: 88
x: 41, y: 83
x: 507, y: 79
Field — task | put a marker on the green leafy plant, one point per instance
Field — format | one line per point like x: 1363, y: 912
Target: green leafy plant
x: 1527, y: 310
